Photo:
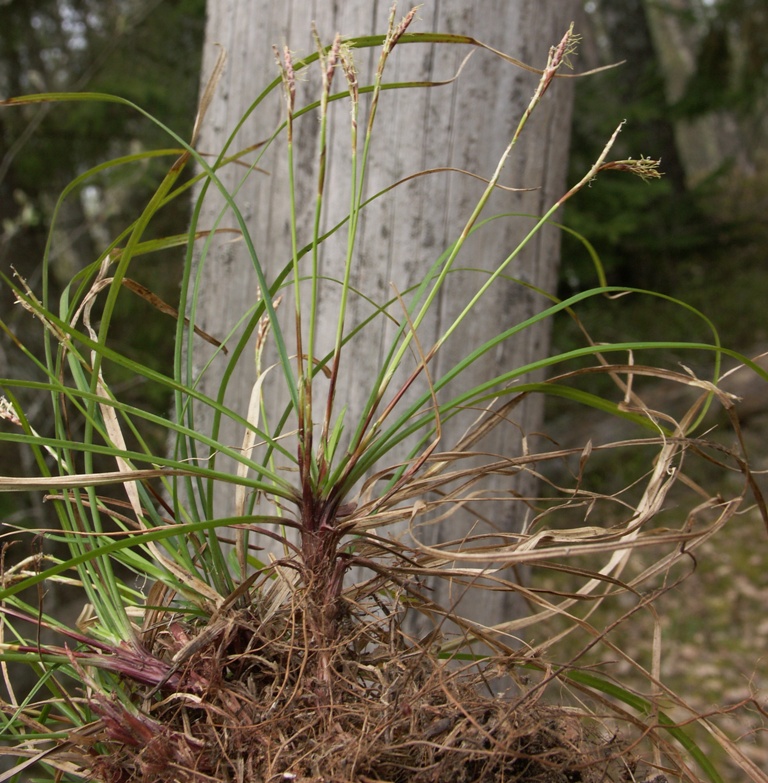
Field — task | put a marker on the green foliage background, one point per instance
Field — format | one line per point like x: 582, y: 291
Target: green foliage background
x: 704, y: 243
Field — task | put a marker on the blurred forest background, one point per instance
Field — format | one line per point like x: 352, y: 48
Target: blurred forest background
x: 693, y: 88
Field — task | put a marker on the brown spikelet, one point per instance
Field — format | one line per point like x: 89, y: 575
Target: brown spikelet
x: 402, y: 27
x: 333, y: 58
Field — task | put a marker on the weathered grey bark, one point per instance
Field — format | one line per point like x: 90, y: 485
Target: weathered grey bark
x: 465, y: 125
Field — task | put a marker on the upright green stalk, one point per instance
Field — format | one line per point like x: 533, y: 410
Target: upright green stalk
x: 644, y: 167
x: 393, y: 36
x: 557, y: 56
x: 304, y: 410
x: 327, y: 68
x: 347, y: 64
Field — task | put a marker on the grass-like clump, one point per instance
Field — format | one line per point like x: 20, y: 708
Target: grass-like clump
x: 201, y: 656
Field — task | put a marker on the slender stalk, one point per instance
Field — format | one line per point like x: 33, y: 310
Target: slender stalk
x: 394, y: 33
x: 328, y: 62
x: 354, y: 212
x: 591, y: 174
x: 557, y: 56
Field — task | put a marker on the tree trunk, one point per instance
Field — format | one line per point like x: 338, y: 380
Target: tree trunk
x: 466, y: 124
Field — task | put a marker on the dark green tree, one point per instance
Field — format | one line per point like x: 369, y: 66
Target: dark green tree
x: 142, y: 50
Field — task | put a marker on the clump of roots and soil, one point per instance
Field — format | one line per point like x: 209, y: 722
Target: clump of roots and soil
x: 259, y: 695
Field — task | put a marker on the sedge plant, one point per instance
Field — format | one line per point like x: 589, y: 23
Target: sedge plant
x: 199, y: 654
